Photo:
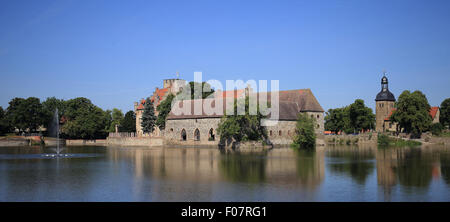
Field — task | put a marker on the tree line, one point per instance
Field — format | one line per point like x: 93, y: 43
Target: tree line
x: 79, y: 117
x: 412, y: 115
x: 353, y: 118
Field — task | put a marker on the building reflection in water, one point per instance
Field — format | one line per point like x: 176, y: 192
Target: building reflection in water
x: 204, y: 173
x: 353, y: 161
x: 412, y: 168
x: 287, y: 167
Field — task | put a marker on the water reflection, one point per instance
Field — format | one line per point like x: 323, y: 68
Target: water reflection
x: 283, y: 166
x: 356, y: 162
x: 412, y: 168
x: 341, y: 173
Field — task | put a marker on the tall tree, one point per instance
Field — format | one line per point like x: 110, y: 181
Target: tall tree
x: 84, y: 120
x: 242, y: 127
x: 164, y: 109
x: 49, y: 106
x: 116, y: 119
x: 148, y: 117
x: 305, y: 137
x: 444, y: 117
x: 361, y: 116
x: 4, y: 126
x: 128, y: 123
x: 412, y: 114
x: 337, y: 120
x: 195, y: 90
x: 25, y: 114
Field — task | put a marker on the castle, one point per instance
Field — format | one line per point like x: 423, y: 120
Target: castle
x: 201, y: 129
x: 385, y: 102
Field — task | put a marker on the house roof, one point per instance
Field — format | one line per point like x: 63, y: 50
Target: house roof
x: 433, y: 111
x: 291, y: 102
x: 158, y: 92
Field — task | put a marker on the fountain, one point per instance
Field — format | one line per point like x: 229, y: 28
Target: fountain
x: 54, y: 132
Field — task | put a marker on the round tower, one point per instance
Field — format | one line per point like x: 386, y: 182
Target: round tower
x: 384, y: 104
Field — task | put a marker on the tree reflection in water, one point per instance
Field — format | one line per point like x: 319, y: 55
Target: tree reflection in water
x: 356, y: 162
x: 243, y: 167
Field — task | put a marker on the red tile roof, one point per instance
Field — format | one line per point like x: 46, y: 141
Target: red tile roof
x: 433, y: 111
x: 158, y: 92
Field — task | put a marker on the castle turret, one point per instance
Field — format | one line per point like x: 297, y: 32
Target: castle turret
x: 384, y: 104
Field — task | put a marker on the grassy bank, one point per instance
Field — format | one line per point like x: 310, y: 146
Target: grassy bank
x: 384, y: 140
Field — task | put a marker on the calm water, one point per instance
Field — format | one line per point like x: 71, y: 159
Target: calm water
x: 205, y: 174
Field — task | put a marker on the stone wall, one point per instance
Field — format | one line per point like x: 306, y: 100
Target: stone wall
x: 135, y: 141
x: 14, y: 142
x: 280, y: 134
x: 101, y: 142
x: 320, y: 122
x: 175, y: 127
x: 362, y: 138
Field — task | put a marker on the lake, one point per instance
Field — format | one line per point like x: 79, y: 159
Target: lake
x: 341, y: 173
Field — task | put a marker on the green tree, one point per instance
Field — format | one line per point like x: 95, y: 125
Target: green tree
x: 305, y: 136
x: 4, y: 126
x: 49, y: 106
x: 116, y: 119
x: 412, y: 114
x: 148, y: 117
x: 164, y: 109
x: 196, y: 90
x: 128, y: 123
x: 84, y: 120
x: 361, y: 116
x: 436, y: 129
x: 444, y: 117
x: 242, y: 127
x: 25, y: 114
x: 337, y: 120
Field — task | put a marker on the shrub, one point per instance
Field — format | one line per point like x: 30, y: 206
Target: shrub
x: 305, y: 136
x: 436, y: 129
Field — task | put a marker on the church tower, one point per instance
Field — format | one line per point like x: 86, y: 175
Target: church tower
x: 384, y: 104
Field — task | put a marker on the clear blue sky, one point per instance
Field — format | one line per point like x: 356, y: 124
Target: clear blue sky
x: 116, y: 52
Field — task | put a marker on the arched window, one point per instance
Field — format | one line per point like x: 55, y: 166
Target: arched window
x: 183, y: 135
x: 211, y: 135
x: 197, y: 135
x: 317, y: 116
x: 171, y: 129
x: 279, y: 133
x: 270, y: 133
x: 318, y: 126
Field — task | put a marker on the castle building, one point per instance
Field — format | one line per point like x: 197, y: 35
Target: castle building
x: 384, y: 105
x: 195, y: 129
x: 170, y: 86
x: 201, y: 129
